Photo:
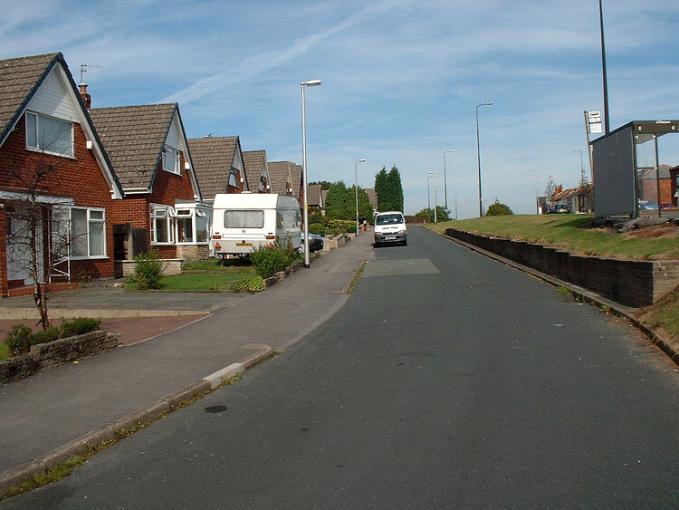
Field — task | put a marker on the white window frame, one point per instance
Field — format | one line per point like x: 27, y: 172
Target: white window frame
x: 37, y: 148
x: 177, y: 160
x: 194, y: 213
x: 89, y: 219
x: 170, y: 224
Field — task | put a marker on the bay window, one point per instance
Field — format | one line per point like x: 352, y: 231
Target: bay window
x: 88, y: 233
x: 162, y: 225
x: 192, y: 224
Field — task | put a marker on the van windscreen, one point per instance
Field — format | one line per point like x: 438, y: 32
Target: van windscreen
x: 243, y: 218
x: 387, y: 219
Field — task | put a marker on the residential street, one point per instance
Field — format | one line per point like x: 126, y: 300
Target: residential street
x: 447, y: 380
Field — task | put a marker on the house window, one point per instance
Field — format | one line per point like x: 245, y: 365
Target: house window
x: 88, y: 233
x: 163, y: 232
x: 202, y: 223
x: 171, y: 159
x: 47, y: 134
x: 184, y: 226
x: 233, y: 178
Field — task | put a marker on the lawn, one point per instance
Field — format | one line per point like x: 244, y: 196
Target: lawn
x: 208, y: 275
x: 4, y: 351
x: 664, y: 314
x: 573, y: 232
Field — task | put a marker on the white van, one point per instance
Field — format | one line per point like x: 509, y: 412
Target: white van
x: 390, y: 227
x: 245, y: 221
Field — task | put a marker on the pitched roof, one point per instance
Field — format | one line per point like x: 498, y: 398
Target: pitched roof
x: 280, y: 174
x: 133, y: 137
x: 296, y: 174
x: 314, y: 191
x: 19, y: 79
x: 372, y: 197
x: 213, y: 158
x: 255, y: 165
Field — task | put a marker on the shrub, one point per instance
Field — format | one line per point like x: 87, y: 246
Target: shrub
x: 498, y: 209
x: 267, y: 261
x: 341, y: 226
x: 317, y: 228
x: 79, y: 326
x: 18, y: 340
x: 46, y: 335
x: 148, y: 270
x: 249, y: 285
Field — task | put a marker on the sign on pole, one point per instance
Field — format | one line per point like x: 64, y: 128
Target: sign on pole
x: 593, y: 122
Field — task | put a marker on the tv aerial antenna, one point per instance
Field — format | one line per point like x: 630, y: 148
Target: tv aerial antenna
x: 85, y: 68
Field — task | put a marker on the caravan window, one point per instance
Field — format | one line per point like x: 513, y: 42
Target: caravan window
x: 246, y: 218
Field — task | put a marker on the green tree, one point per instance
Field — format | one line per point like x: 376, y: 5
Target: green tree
x: 324, y: 184
x: 337, y: 204
x: 442, y: 214
x: 365, y: 209
x: 394, y: 189
x: 381, y: 188
x: 498, y: 209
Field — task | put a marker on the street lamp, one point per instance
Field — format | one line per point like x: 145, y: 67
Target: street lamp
x: 607, y: 125
x: 356, y: 162
x: 429, y: 176
x: 304, y: 85
x: 436, y: 201
x: 456, y: 195
x: 478, y: 153
x: 445, y: 183
x: 582, y: 168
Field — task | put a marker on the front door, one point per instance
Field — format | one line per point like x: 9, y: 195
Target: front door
x: 19, y: 249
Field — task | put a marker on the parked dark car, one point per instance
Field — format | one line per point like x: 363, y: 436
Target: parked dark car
x: 315, y: 242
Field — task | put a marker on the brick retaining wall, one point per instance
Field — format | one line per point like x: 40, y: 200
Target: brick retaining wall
x: 53, y: 353
x: 633, y: 283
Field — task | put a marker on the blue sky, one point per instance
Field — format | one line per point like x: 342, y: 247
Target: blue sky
x: 401, y: 78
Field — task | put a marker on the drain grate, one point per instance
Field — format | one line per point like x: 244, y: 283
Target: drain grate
x: 215, y: 409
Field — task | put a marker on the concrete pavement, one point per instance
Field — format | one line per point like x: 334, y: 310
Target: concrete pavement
x: 60, y: 405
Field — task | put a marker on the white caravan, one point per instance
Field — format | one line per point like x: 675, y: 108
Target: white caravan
x: 245, y: 221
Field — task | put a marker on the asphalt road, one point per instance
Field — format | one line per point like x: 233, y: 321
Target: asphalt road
x: 447, y: 381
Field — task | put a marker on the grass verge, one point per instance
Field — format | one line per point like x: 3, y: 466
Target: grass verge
x: 574, y: 233
x: 664, y: 314
x: 4, y: 351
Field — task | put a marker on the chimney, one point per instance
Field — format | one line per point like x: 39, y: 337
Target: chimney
x: 85, y: 96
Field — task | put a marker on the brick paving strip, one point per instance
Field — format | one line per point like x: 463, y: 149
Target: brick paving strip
x: 61, y: 412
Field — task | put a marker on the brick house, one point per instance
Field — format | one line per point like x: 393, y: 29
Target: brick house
x: 45, y: 130
x: 162, y: 209
x: 286, y: 178
x: 218, y: 163
x: 257, y: 171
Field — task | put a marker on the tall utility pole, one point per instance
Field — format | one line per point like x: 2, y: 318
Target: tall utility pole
x: 582, y: 168
x: 445, y: 182
x: 303, y: 86
x: 478, y: 154
x: 429, y: 176
x: 356, y: 162
x: 607, y: 125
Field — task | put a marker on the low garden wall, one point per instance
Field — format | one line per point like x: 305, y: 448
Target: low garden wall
x: 634, y: 283
x: 53, y: 353
x: 125, y: 268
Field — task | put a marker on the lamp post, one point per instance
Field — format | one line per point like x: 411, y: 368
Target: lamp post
x: 429, y: 176
x: 582, y: 168
x: 537, y: 200
x: 478, y: 154
x: 445, y: 182
x: 607, y: 125
x: 356, y: 162
x: 304, y: 85
x: 436, y: 202
x: 456, y: 195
